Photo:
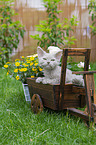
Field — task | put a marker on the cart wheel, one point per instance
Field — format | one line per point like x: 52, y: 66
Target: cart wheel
x: 36, y: 104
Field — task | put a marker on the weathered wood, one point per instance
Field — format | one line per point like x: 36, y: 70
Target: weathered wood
x: 71, y: 52
x: 36, y: 104
x: 94, y: 112
x: 63, y: 76
x: 77, y: 89
x: 50, y: 95
x: 83, y: 72
x: 87, y: 58
x: 79, y: 113
x: 77, y: 51
x: 46, y: 93
x: 89, y: 88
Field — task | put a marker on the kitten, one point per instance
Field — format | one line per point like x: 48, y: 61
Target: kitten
x: 50, y: 64
x: 52, y: 71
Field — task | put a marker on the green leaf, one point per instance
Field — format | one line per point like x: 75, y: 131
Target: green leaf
x: 92, y: 17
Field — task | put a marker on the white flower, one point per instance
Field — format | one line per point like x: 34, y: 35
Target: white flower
x: 81, y: 65
x: 89, y: 67
x: 53, y: 49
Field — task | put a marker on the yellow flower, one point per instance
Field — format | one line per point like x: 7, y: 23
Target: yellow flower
x: 31, y: 58
x: 31, y: 63
x: 22, y: 57
x: 7, y: 73
x: 40, y: 69
x: 33, y: 69
x: 7, y: 62
x: 17, y: 78
x: 28, y: 61
x: 24, y: 69
x: 25, y: 64
x: 32, y: 76
x: 6, y: 66
x: 21, y: 69
x: 36, y: 64
x: 15, y: 70
x: 17, y: 63
x: 17, y: 59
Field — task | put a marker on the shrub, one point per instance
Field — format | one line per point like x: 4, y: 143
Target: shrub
x: 9, y: 30
x: 92, y: 11
x: 53, y: 32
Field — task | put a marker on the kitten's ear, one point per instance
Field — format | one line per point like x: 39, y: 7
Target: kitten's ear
x: 40, y: 51
x: 58, y: 55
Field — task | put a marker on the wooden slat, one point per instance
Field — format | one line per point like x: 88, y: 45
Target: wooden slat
x: 87, y: 58
x: 83, y: 72
x: 89, y: 85
x: 77, y: 51
x: 63, y: 76
x: 71, y: 52
x: 78, y: 113
x: 80, y: 90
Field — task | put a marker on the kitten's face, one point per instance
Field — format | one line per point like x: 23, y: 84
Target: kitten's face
x: 47, y: 60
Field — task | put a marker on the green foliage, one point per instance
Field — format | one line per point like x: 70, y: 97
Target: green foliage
x: 53, y: 31
x: 92, y: 11
x: 19, y: 126
x: 9, y: 30
x: 26, y: 67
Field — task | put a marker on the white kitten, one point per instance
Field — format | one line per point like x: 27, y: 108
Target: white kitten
x: 52, y: 71
x: 50, y: 64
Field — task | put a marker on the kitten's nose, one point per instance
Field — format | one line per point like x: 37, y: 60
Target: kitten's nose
x: 48, y: 62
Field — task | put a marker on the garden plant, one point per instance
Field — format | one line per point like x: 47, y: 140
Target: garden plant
x: 92, y: 12
x: 54, y: 32
x: 9, y: 30
x: 23, y: 68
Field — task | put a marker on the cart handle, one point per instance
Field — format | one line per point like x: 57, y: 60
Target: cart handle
x: 83, y: 72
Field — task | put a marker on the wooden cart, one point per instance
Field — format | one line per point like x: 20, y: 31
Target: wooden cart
x: 67, y: 96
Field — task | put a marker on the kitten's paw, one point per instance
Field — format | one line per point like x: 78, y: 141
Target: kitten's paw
x: 50, y: 81
x: 39, y: 80
x: 79, y: 82
x: 45, y: 81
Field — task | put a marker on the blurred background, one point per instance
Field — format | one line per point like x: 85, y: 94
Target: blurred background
x: 31, y: 12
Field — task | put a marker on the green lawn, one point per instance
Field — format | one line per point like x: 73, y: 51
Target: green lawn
x: 19, y: 126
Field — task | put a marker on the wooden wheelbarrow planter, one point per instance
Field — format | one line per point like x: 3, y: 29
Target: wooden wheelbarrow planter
x: 67, y: 96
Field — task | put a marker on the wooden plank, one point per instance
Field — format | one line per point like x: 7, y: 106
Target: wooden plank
x: 83, y: 72
x: 48, y: 93
x: 77, y: 51
x: 78, y: 113
x: 63, y: 76
x: 80, y: 90
x: 89, y: 85
x: 70, y: 104
x: 87, y: 58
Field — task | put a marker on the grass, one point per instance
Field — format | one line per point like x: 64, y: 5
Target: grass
x: 19, y: 126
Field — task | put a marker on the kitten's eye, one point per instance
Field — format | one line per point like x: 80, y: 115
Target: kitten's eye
x: 44, y: 58
x: 52, y: 59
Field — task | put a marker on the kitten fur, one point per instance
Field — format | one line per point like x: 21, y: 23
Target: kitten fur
x: 52, y: 71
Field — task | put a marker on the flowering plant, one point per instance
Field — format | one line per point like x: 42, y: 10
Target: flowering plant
x: 76, y: 66
x: 26, y: 67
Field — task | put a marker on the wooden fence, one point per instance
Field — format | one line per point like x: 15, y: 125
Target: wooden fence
x: 31, y: 12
